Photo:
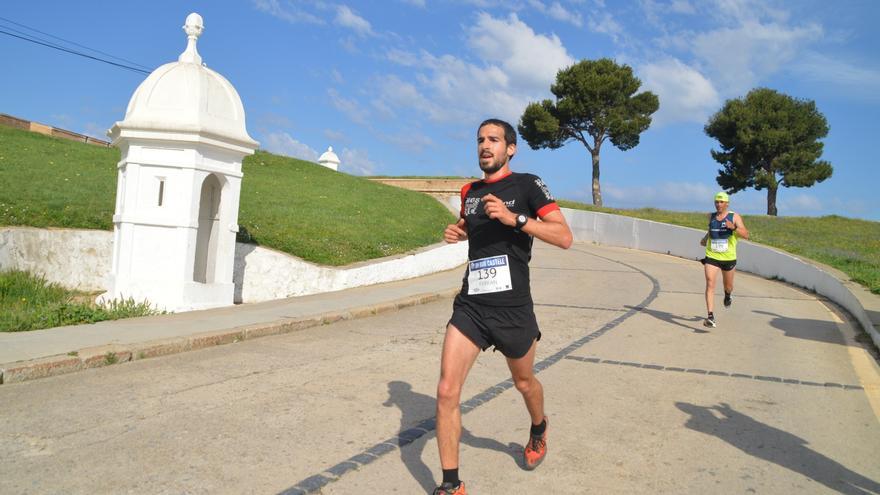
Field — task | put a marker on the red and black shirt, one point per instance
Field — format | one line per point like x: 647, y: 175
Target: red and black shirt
x: 521, y: 193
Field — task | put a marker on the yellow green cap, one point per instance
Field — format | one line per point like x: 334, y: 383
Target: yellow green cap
x: 722, y: 196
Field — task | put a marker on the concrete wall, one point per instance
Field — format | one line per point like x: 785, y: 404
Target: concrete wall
x: 81, y: 259
x: 614, y: 230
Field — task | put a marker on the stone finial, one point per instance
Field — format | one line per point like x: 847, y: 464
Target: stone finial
x: 193, y: 28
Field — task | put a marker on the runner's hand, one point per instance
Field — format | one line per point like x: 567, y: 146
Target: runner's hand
x: 730, y: 225
x: 496, y: 209
x: 455, y: 232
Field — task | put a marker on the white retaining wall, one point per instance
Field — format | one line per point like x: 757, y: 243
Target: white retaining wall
x: 81, y: 259
x: 615, y: 230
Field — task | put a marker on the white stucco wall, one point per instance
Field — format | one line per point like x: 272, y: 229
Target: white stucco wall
x: 78, y: 259
x: 81, y: 259
x: 614, y: 230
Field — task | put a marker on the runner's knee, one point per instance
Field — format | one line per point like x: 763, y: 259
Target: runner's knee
x: 448, y: 393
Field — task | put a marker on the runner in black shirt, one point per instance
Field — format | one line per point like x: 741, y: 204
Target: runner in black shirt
x: 499, y: 218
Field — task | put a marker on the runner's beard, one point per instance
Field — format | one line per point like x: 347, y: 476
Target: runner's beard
x: 491, y: 167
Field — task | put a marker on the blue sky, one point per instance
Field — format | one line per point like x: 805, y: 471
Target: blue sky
x: 397, y: 87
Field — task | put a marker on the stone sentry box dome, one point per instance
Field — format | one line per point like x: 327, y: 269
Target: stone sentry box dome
x: 182, y: 142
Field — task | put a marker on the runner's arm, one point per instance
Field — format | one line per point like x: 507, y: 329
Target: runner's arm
x: 552, y: 229
x: 739, y: 227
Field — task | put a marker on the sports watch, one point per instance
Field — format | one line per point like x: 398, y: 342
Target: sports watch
x: 521, y: 221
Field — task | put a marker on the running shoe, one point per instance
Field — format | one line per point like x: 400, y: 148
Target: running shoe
x: 710, y: 322
x: 536, y: 449
x: 727, y: 300
x: 450, y: 489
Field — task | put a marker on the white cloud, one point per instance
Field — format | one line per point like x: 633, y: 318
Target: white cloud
x: 350, y: 108
x: 682, y: 7
x: 604, y: 23
x: 860, y: 80
x: 345, y: 17
x: 685, y: 94
x: 529, y: 59
x: 356, y: 162
x: 558, y: 12
x: 515, y: 65
x: 335, y: 136
x: 283, y: 144
x: 290, y: 14
x: 410, y: 140
x: 740, y: 57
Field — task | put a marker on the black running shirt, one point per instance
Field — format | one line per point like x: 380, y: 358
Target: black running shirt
x: 490, y: 240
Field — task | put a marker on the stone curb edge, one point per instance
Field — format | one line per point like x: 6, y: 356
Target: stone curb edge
x: 106, y: 355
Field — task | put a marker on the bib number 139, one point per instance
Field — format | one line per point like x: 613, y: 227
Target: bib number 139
x: 487, y: 275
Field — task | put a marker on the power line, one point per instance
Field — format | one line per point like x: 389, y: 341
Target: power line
x: 49, y: 44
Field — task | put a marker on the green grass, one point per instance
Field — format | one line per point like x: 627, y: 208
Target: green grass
x: 290, y: 205
x: 850, y: 245
x: 28, y: 302
x: 335, y: 219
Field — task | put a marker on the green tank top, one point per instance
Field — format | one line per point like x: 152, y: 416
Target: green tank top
x: 721, y: 244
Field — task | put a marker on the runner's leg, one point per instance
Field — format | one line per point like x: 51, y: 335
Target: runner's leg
x: 459, y: 354
x: 523, y: 373
x: 711, y: 272
x: 728, y: 280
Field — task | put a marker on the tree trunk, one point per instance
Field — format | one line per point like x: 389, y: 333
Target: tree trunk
x: 771, y: 200
x: 597, y: 191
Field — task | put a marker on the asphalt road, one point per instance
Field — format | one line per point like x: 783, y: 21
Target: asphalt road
x: 780, y: 398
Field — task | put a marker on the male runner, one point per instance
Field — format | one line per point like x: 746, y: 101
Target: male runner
x: 499, y: 217
x: 725, y: 227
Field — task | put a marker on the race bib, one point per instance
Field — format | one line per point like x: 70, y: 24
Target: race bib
x: 719, y: 245
x: 487, y: 275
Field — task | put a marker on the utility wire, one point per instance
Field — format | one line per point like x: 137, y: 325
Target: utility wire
x: 68, y: 41
x: 46, y: 43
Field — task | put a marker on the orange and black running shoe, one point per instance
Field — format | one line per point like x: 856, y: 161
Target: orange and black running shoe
x: 536, y: 449
x: 450, y: 489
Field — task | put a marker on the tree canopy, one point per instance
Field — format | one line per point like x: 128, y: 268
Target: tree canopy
x: 595, y: 100
x: 769, y: 139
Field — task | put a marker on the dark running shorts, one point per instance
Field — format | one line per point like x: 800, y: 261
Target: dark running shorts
x: 725, y: 266
x: 510, y: 330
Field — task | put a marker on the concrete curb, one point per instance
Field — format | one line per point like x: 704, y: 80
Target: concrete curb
x: 107, y: 355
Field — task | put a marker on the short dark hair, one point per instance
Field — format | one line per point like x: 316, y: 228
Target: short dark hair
x: 509, y: 132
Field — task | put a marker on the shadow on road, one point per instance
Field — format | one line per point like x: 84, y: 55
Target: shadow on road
x: 671, y: 318
x: 776, y: 446
x: 805, y: 328
x: 414, y: 408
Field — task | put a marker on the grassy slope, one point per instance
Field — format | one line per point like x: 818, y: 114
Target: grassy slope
x: 286, y: 204
x: 852, y: 246
x: 331, y: 218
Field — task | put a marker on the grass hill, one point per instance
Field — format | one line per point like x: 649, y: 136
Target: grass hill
x: 326, y: 217
x: 291, y: 205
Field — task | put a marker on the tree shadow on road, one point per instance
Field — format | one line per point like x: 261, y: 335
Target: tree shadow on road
x: 805, y: 328
x: 414, y: 409
x: 774, y: 445
x: 671, y: 318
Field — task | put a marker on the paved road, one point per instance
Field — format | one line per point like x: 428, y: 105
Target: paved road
x: 779, y: 398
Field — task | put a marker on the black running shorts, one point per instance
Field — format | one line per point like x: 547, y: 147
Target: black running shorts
x: 510, y: 329
x: 725, y: 266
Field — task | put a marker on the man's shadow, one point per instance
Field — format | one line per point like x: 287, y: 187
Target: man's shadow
x: 671, y: 318
x: 776, y: 446
x: 414, y: 409
x: 805, y: 328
